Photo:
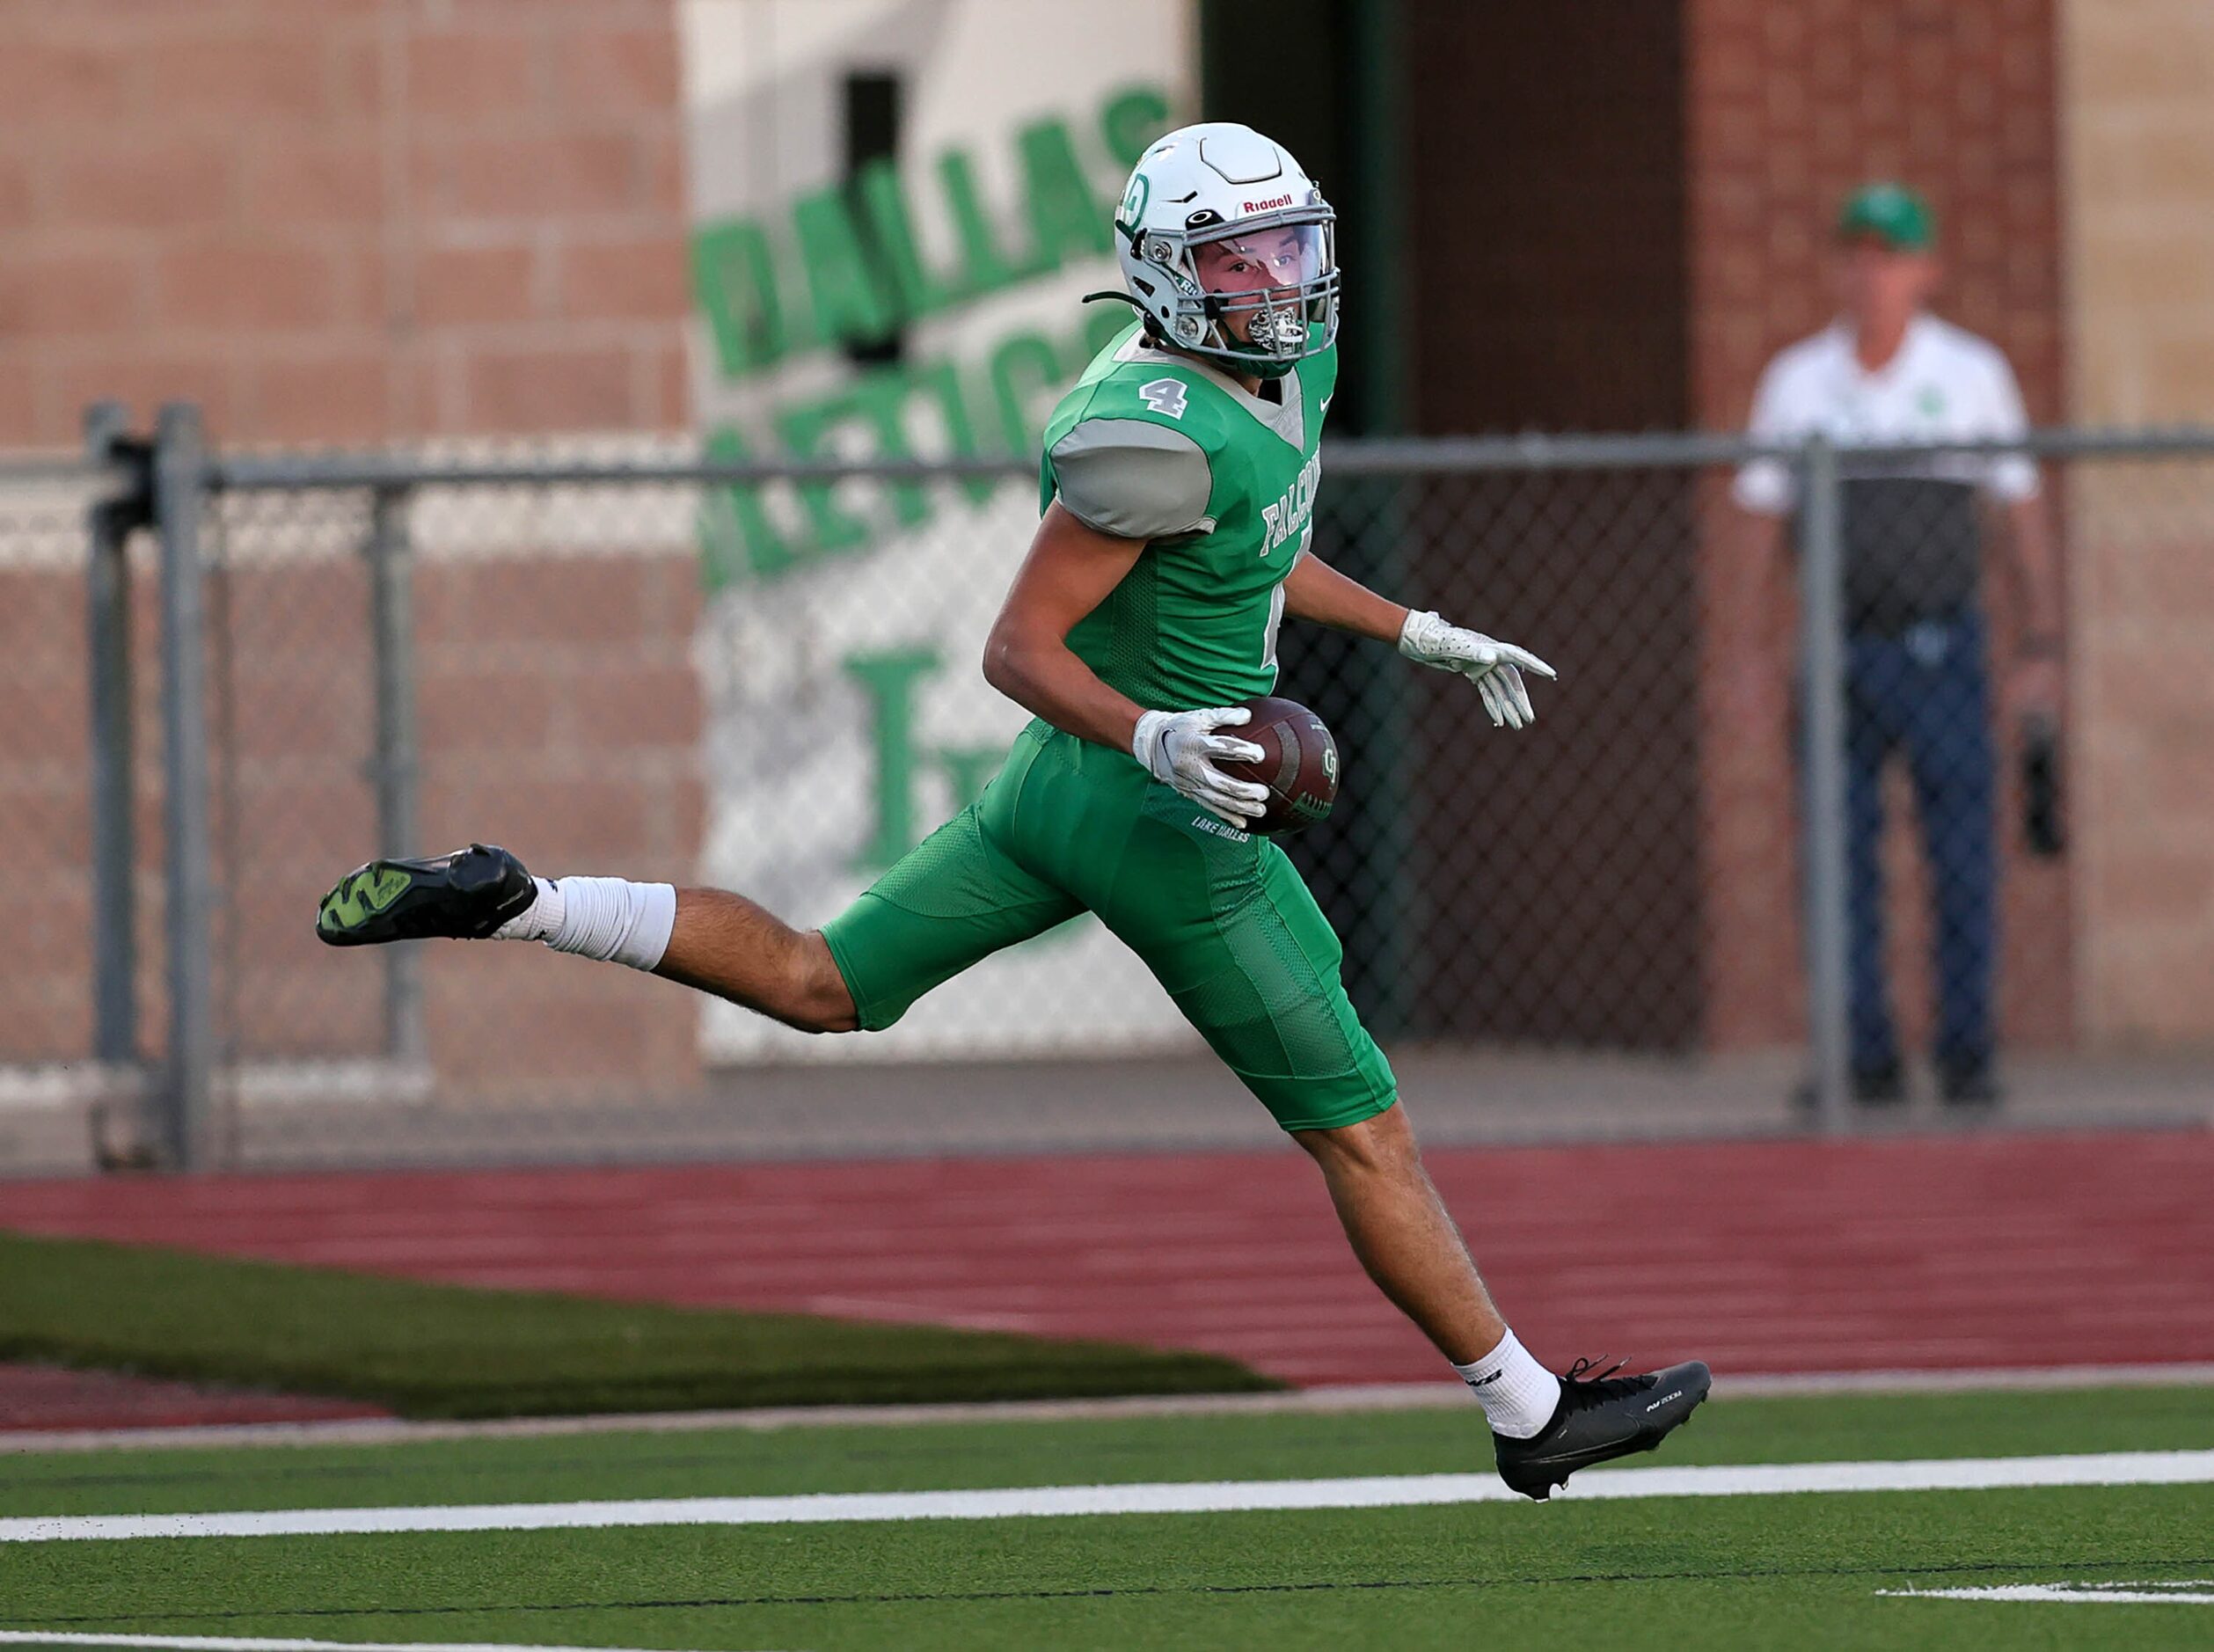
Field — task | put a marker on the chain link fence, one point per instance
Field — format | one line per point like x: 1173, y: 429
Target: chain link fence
x: 79, y: 1000
x: 46, y: 1002
x: 1765, y: 797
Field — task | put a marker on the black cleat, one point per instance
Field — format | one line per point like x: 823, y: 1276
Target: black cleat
x: 1883, y: 1086
x: 1599, y: 1418
x: 1968, y: 1086
x: 465, y: 895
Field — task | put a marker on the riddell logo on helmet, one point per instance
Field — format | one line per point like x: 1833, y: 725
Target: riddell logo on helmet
x: 1264, y: 206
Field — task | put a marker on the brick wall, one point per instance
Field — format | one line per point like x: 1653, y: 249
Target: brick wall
x: 2139, y: 121
x: 355, y: 222
x: 1793, y: 104
x: 558, y: 716
x: 343, y: 220
x: 1789, y: 107
x: 45, y: 1006
x: 2139, y: 88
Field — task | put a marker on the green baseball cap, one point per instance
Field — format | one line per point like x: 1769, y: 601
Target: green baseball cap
x: 1891, y: 213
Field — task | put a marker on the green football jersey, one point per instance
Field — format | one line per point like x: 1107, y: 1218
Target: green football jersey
x: 1155, y: 446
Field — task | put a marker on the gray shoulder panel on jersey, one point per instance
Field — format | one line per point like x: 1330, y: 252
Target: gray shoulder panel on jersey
x: 1133, y: 478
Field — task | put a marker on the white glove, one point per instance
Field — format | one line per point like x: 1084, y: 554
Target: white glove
x: 1178, y: 749
x: 1494, y: 668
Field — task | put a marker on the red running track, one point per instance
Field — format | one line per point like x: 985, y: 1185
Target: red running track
x: 1782, y: 1256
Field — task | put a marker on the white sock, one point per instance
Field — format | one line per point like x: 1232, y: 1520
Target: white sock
x: 539, y: 919
x: 609, y: 918
x: 1518, y: 1395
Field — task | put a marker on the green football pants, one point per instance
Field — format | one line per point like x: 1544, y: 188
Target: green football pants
x: 1220, y: 916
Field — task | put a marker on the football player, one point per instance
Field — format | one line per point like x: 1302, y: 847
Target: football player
x: 1178, y: 488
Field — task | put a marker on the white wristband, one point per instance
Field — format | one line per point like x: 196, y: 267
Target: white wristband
x: 1145, y: 739
x: 1418, y: 633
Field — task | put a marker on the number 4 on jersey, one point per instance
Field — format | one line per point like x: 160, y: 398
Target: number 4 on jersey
x: 1164, y: 396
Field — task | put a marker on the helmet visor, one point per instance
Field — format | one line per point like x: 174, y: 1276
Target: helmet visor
x: 1252, y: 266
x: 1268, y: 284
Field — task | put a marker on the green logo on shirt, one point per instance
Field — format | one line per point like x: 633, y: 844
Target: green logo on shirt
x: 1932, y: 401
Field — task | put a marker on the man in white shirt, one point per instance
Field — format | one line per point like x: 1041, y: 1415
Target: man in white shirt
x: 1917, y: 680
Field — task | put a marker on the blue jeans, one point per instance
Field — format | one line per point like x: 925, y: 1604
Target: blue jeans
x: 1925, y: 692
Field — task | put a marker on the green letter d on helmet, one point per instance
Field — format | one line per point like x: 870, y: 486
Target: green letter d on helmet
x: 1228, y: 249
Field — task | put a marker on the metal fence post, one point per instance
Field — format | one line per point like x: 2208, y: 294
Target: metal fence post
x: 1823, y: 825
x: 180, y: 483
x: 393, y: 766
x: 108, y: 590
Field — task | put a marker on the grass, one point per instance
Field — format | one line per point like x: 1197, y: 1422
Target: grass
x: 1739, y: 1572
x: 430, y: 1350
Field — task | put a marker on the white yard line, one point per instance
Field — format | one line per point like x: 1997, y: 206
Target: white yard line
x: 2112, y: 1468
x: 1349, y: 1397
x: 2197, y: 1592
x: 2017, y: 1377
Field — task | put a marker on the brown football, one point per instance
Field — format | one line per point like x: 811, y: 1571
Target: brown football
x: 1298, y: 763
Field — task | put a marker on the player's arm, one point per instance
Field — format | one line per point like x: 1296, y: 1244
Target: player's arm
x: 1070, y: 570
x: 1315, y: 590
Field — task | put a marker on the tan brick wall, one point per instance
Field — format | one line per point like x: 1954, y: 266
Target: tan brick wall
x: 558, y: 716
x: 46, y: 1009
x: 1790, y: 105
x: 343, y: 220
x: 2139, y: 121
x: 357, y: 221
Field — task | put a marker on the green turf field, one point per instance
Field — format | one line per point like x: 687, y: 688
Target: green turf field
x: 1728, y: 1571
x: 427, y: 1351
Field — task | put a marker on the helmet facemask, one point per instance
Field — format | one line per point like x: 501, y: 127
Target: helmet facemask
x: 1256, y: 296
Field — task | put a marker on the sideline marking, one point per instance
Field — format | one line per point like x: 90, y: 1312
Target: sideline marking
x: 2189, y: 1591
x: 232, y: 1643
x: 1450, y: 1394
x: 1375, y: 1491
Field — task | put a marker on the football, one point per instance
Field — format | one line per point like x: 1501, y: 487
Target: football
x: 1298, y: 763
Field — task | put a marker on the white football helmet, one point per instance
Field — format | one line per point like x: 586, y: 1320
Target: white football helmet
x: 1229, y: 249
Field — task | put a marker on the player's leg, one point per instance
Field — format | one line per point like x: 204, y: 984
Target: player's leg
x: 1404, y: 1238
x: 926, y: 920
x: 725, y: 944
x: 1261, y: 983
x: 1544, y: 1427
x: 1228, y: 927
x: 710, y: 939
x: 945, y: 906
x: 953, y: 900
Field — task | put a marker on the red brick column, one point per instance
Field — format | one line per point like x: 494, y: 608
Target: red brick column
x: 1790, y: 105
